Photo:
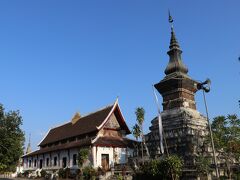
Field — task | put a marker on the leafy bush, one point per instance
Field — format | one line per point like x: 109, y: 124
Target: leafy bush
x: 203, y: 165
x: 26, y: 173
x: 62, y: 173
x: 172, y: 166
x: 67, y: 172
x: 48, y: 176
x: 236, y: 175
x: 19, y: 175
x: 82, y: 156
x: 43, y: 173
x: 161, y: 169
x: 151, y: 169
x: 89, y: 172
x: 119, y: 177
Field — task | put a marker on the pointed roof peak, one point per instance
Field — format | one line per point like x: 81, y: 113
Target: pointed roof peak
x: 175, y: 63
x: 28, y: 150
x: 173, y: 41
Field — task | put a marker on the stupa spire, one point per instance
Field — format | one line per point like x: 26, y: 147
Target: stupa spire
x: 175, y: 62
x: 29, y: 145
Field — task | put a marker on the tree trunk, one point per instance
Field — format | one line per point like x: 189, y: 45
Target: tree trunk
x: 137, y: 151
x: 142, y: 152
x: 143, y: 142
x: 228, y: 167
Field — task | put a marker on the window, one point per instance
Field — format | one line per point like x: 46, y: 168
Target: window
x: 35, y: 163
x: 63, y: 141
x: 74, y: 160
x: 30, y: 163
x: 72, y: 139
x: 55, y: 161
x: 47, y: 161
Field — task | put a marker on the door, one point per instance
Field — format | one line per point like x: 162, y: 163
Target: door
x: 105, y: 161
x: 40, y: 164
x: 64, y: 162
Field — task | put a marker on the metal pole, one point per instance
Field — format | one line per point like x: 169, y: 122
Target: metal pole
x: 210, y: 130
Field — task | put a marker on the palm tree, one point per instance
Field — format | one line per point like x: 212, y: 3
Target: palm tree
x: 140, y: 112
x: 136, y: 133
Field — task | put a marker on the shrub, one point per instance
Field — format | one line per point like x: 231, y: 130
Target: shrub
x: 20, y: 175
x: 26, y: 173
x: 61, y: 173
x: 82, y: 156
x: 171, y: 166
x: 161, y: 169
x: 67, y: 172
x: 119, y: 177
x: 89, y: 172
x: 48, y: 176
x: 43, y: 173
x: 150, y: 169
x: 236, y: 175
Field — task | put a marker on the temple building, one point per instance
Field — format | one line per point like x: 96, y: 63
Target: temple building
x: 184, y: 127
x: 103, y: 132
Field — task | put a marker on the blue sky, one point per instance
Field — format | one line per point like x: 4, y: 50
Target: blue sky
x: 58, y: 57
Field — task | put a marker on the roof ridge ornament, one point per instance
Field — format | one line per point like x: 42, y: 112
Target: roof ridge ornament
x: 76, y: 117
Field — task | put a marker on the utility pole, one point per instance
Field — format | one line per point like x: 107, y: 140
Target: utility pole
x: 205, y: 87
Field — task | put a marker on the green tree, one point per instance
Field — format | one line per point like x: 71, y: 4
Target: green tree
x: 226, y: 135
x: 172, y: 167
x: 136, y: 133
x: 11, y: 139
x: 203, y: 165
x: 140, y: 113
x: 82, y: 157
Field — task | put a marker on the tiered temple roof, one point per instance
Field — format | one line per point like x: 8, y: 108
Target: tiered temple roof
x: 83, y: 131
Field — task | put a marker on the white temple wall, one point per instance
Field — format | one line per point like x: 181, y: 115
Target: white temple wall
x: 55, y: 154
x: 103, y: 150
x: 72, y: 152
x: 116, y: 155
x: 46, y: 156
x: 63, y: 154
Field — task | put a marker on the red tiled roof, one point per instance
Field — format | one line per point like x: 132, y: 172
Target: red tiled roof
x: 84, y: 125
x: 73, y: 144
x: 114, y: 142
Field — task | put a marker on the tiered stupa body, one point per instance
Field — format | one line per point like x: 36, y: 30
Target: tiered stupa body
x: 183, y: 125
